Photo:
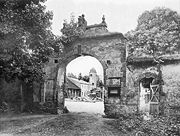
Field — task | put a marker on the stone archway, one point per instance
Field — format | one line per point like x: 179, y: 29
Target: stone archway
x: 110, y: 50
x: 149, y: 98
x: 62, y: 77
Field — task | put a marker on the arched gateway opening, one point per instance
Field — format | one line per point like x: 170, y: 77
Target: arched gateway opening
x: 149, y: 92
x: 84, y: 85
x: 110, y: 50
x: 64, y: 82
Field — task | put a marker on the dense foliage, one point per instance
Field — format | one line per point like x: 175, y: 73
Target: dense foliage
x: 157, y: 33
x: 71, y: 75
x: 25, y: 39
x: 157, y: 126
x: 85, y: 78
x: 80, y: 76
x: 71, y: 30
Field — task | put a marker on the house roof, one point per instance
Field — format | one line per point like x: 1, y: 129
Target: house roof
x: 72, y: 85
x: 77, y: 82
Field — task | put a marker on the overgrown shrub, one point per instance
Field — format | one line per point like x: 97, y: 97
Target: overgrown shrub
x: 10, y: 99
x: 49, y: 107
x: 157, y: 126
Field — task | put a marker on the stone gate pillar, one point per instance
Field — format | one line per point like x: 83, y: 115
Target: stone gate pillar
x: 115, y: 79
x: 60, y: 88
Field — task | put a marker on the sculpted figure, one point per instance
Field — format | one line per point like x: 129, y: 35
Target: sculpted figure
x: 81, y: 21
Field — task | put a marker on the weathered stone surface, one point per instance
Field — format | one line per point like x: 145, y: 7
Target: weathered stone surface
x: 108, y: 48
x: 169, y: 94
x: 171, y: 87
x: 118, y: 110
x: 120, y: 74
x: 97, y: 29
x: 134, y: 76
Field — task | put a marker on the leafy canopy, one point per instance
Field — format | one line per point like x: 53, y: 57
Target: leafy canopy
x: 72, y: 30
x: 157, y: 33
x: 26, y: 39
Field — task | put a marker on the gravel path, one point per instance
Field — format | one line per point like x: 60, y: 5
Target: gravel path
x: 71, y: 124
x: 90, y: 107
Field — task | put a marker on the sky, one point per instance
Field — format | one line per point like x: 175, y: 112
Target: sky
x: 83, y: 65
x: 121, y: 16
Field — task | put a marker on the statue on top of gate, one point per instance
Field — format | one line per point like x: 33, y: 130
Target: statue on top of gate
x: 82, y: 22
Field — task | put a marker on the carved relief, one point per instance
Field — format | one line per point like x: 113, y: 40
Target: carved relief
x: 114, y: 72
x: 113, y: 82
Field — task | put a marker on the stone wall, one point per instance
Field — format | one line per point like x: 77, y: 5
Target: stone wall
x: 49, y: 91
x: 17, y: 95
x: 170, y: 96
x: 135, y: 73
x: 133, y: 85
x: 110, y: 50
x: 171, y: 87
x: 10, y: 95
x: 50, y: 69
x: 131, y: 97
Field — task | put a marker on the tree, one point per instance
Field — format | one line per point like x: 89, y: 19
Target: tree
x: 26, y: 40
x: 85, y: 78
x: 25, y: 35
x: 157, y: 32
x: 73, y: 30
x: 71, y: 75
x: 99, y: 83
x: 80, y: 76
